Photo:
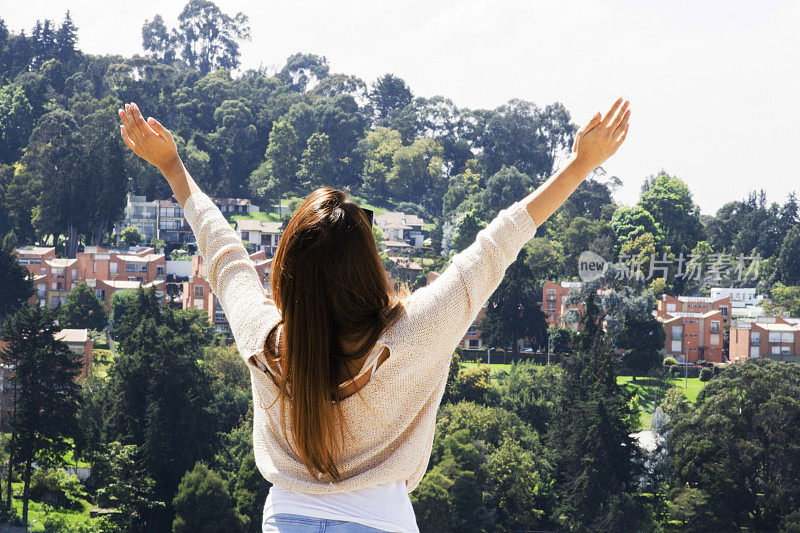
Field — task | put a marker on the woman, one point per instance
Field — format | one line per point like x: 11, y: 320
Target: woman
x: 346, y: 372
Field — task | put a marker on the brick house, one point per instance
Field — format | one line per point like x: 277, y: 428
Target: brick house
x: 197, y: 291
x: 770, y: 337
x: 694, y: 304
x: 693, y: 337
x: 554, y: 297
x: 103, y: 269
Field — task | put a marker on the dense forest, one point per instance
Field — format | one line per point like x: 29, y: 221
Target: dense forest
x: 167, y: 425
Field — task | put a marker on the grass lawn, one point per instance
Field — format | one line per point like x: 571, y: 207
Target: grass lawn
x: 495, y: 369
x: 102, y: 361
x: 36, y: 510
x: 650, y: 392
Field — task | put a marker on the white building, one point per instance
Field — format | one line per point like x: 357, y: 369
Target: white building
x: 142, y: 214
x: 261, y: 234
x: 405, y: 227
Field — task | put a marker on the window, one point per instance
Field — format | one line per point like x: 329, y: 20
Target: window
x: 474, y: 344
x: 198, y: 291
x: 245, y: 235
x: 670, y: 308
x: 266, y: 239
x: 755, y: 351
x: 724, y: 310
x: 713, y: 339
x: 159, y: 271
x: 551, y: 295
x: 755, y: 337
x: 113, y: 267
x: 787, y: 336
x: 774, y: 336
x: 58, y: 273
x: 775, y: 349
x: 551, y: 307
x: 676, y: 346
x: 713, y: 351
x: 715, y: 326
x: 41, y: 290
x: 473, y: 329
x: 101, y: 294
x: 786, y: 349
x: 677, y: 332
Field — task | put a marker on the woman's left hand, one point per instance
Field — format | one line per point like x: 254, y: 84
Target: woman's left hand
x: 148, y: 138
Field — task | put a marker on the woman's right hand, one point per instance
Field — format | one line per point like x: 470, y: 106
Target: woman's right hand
x: 599, y: 139
x: 148, y: 139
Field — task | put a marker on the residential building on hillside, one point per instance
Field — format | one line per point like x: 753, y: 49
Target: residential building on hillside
x: 197, y: 291
x: 261, y: 234
x: 141, y: 214
x: 554, y: 306
x: 405, y: 227
x: 694, y: 336
x: 745, y: 303
x: 235, y: 205
x: 669, y: 305
x: 172, y: 226
x: 770, y: 337
x: 106, y: 270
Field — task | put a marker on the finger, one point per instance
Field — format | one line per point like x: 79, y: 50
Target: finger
x: 620, y: 115
x: 623, y: 124
x: 143, y: 126
x: 126, y: 138
x: 624, y: 134
x: 158, y: 128
x: 589, y: 125
x: 133, y: 130
x: 607, y: 118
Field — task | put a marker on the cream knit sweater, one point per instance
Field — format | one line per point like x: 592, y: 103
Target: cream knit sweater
x: 392, y: 420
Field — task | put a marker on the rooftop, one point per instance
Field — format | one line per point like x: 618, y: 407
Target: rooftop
x: 258, y: 225
x: 72, y: 335
x: 398, y: 220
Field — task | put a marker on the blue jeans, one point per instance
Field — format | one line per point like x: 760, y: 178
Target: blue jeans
x: 293, y: 523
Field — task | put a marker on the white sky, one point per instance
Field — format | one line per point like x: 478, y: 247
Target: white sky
x: 713, y: 84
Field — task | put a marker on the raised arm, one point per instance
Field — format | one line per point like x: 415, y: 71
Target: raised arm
x: 442, y: 312
x: 231, y: 273
x: 595, y: 142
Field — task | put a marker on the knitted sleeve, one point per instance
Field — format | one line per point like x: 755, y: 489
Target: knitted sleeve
x: 441, y: 312
x: 231, y: 275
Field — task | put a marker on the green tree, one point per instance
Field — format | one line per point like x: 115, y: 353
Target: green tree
x: 787, y: 267
x: 378, y: 149
x: 739, y: 445
x: 389, y: 93
x: 83, y: 309
x: 250, y: 492
x: 125, y: 485
x: 131, y: 236
x: 206, y: 38
x: 631, y: 326
x: 630, y: 223
x: 278, y: 173
x: 303, y: 71
x: 466, y: 230
x: 16, y: 286
x: 506, y: 186
x: 203, y: 503
x: 596, y: 458
x: 45, y: 405
x: 315, y: 166
x: 670, y: 202
x: 513, y: 312
x: 16, y: 122
x: 417, y: 174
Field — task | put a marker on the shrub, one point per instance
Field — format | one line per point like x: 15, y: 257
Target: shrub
x: 670, y: 361
x: 706, y: 374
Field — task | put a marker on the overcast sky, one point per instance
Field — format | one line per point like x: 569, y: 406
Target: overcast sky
x: 713, y: 84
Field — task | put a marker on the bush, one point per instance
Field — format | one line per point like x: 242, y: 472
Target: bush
x: 706, y: 374
x: 670, y: 361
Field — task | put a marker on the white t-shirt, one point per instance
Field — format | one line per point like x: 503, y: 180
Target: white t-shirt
x: 386, y: 507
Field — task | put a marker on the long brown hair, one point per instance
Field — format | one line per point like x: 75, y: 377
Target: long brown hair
x: 330, y: 286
